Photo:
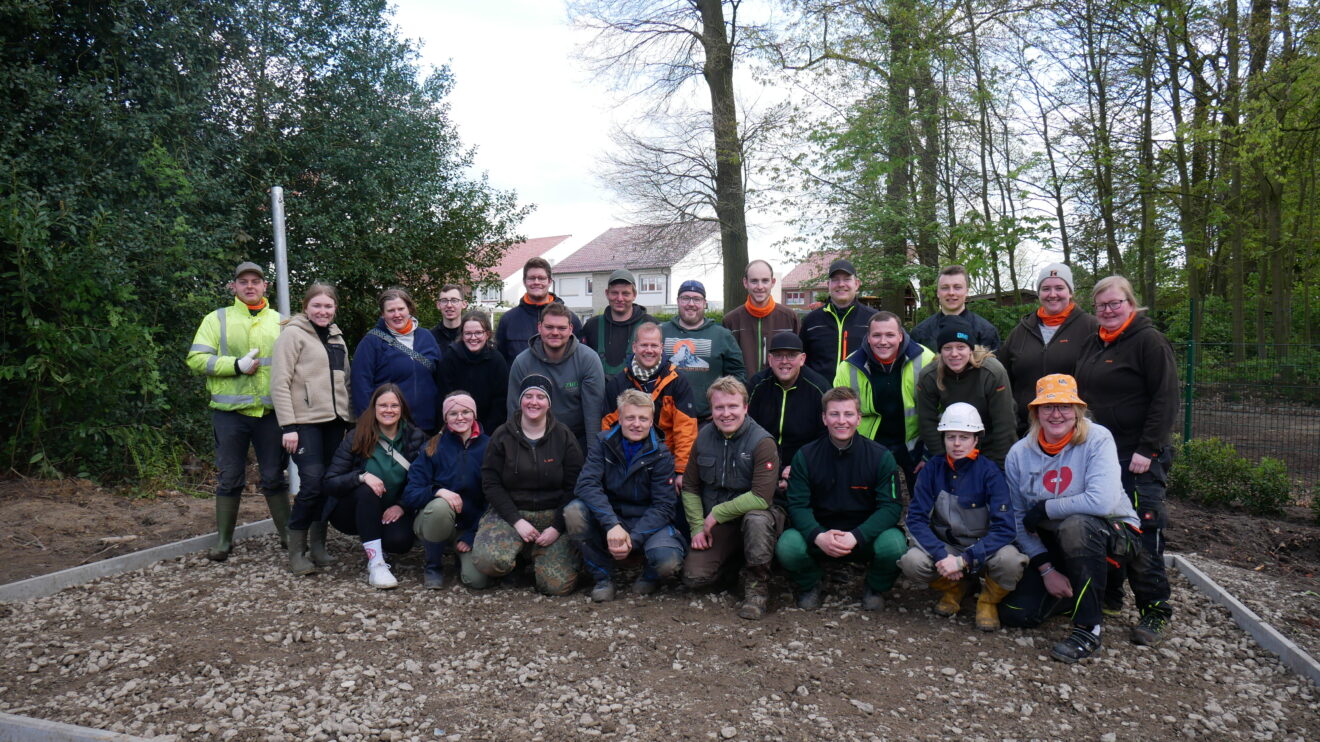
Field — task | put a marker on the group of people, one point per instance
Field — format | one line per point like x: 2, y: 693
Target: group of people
x: 700, y: 452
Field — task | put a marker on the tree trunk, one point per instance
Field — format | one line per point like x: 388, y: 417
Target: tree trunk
x: 898, y: 151
x: 1102, y: 153
x: 1236, y: 214
x: 730, y: 199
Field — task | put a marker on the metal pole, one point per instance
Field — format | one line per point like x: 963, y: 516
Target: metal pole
x: 282, y: 283
x: 1190, y: 385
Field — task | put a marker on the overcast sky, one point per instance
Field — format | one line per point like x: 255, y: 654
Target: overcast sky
x: 538, y: 120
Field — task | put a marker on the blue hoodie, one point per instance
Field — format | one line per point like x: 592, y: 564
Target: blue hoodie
x: 376, y: 362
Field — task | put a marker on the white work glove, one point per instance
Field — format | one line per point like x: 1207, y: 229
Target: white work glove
x: 248, y: 363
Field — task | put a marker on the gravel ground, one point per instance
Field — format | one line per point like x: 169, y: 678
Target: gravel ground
x: 1291, y: 606
x: 188, y: 649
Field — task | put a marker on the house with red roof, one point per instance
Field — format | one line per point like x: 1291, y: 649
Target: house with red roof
x: 661, y: 256
x: 807, y: 279
x: 509, y: 270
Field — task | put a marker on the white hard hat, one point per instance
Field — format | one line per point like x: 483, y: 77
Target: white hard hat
x: 961, y: 417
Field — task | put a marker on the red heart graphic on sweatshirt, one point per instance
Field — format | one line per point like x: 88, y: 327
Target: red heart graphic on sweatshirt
x: 1057, y: 480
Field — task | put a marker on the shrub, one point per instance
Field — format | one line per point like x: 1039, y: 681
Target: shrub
x: 1210, y: 471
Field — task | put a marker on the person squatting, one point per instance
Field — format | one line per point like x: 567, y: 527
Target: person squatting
x: 1032, y: 472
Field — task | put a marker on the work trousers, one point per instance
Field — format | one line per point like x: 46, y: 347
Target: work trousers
x: 498, y: 546
x: 234, y: 433
x: 317, y: 443
x: 750, y: 539
x: 805, y: 561
x: 663, y: 548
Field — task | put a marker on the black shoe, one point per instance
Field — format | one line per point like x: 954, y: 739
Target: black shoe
x: 433, y: 578
x: 872, y: 601
x: 645, y: 585
x: 603, y: 592
x: 1078, y: 645
x: 809, y: 600
x: 1151, y: 630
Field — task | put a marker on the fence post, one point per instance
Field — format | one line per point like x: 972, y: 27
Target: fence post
x: 1190, y: 385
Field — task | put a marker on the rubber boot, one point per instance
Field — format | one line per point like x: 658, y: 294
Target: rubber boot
x: 951, y: 595
x: 279, y: 512
x: 433, y: 573
x: 987, y: 605
x: 299, y: 564
x: 226, y: 515
x: 316, y: 545
x: 756, y: 593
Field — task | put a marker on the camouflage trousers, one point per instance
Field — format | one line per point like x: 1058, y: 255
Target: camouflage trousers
x: 497, y: 547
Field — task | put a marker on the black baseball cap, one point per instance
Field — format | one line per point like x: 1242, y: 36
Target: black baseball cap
x: 842, y: 265
x: 785, y: 341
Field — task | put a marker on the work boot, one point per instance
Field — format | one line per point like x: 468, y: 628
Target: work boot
x: 279, y: 513
x: 871, y: 600
x: 603, y: 592
x: 1078, y: 645
x: 379, y: 575
x: 433, y: 571
x: 226, y: 515
x: 951, y: 595
x: 1151, y: 630
x: 648, y: 583
x: 756, y: 593
x: 810, y: 599
x: 316, y: 545
x: 299, y: 564
x: 987, y: 605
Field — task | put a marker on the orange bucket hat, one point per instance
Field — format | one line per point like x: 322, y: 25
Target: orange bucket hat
x: 1056, y: 389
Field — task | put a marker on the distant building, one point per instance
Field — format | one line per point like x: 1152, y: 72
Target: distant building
x: 661, y: 256
x: 807, y: 280
x: 510, y: 289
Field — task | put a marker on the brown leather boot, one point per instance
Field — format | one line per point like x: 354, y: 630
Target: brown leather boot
x: 756, y: 593
x: 951, y: 595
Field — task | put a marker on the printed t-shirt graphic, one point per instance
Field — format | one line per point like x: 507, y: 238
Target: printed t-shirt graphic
x: 688, y: 353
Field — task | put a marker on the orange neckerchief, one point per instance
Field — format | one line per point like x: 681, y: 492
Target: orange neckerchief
x: 406, y: 328
x: 975, y: 452
x: 549, y: 297
x: 255, y: 307
x: 1109, y: 337
x: 1053, y: 449
x: 1054, y: 320
x: 759, y: 312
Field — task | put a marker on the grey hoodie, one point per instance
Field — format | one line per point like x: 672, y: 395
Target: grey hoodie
x: 1083, y: 479
x: 578, y: 398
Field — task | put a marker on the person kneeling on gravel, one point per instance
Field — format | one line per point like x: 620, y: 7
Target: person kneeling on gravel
x: 531, y: 465
x: 444, y: 484
x: 626, y: 502
x: 365, y: 481
x: 961, y: 519
x: 1074, y: 520
x: 843, y: 501
x: 728, y: 499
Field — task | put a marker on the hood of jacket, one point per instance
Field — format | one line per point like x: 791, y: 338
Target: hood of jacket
x: 638, y: 313
x: 538, y: 349
x: 911, y: 350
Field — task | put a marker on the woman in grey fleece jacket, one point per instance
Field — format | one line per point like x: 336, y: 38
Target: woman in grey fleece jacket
x: 1072, y: 519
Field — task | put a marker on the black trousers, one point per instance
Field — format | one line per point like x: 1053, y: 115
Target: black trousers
x: 360, y: 514
x: 234, y: 433
x: 1146, y: 492
x: 316, y: 447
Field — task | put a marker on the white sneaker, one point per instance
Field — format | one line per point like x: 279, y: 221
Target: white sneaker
x: 380, y: 577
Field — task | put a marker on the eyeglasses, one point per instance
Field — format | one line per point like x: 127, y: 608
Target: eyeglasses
x: 475, y: 335
x: 691, y: 299
x: 449, y: 301
x: 461, y: 412
x: 1111, y: 306
x: 1052, y: 409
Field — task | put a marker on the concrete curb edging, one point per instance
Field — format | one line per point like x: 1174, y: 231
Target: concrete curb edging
x: 43, y: 585
x: 25, y: 729
x: 1292, y: 656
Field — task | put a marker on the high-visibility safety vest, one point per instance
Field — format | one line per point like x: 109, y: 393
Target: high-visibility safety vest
x: 226, y: 335
x: 852, y: 373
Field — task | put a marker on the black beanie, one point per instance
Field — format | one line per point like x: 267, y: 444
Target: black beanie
x: 537, y: 381
x: 954, y: 330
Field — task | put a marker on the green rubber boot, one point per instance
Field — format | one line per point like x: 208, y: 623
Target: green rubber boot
x: 299, y: 564
x: 279, y: 512
x: 226, y: 515
x: 316, y: 547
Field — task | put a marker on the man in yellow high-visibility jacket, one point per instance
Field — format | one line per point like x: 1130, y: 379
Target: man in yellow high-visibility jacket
x: 233, y: 350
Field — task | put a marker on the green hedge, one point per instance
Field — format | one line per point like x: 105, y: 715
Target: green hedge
x: 1211, y: 471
